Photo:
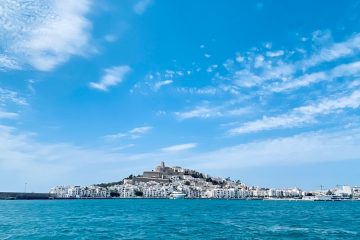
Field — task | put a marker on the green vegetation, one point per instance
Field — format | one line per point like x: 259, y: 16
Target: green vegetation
x: 105, y: 185
x: 139, y: 193
x: 114, y: 194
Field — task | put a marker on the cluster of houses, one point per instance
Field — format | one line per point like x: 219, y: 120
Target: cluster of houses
x: 163, y: 181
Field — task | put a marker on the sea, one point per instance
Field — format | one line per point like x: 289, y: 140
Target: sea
x: 178, y: 219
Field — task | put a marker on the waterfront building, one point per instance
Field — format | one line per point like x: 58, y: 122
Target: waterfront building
x: 344, y: 191
x: 164, y: 180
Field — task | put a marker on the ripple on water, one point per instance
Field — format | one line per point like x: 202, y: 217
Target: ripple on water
x: 201, y: 219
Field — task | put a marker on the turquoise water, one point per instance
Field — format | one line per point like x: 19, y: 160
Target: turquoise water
x: 178, y: 219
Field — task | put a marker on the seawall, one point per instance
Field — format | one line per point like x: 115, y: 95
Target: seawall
x: 23, y: 196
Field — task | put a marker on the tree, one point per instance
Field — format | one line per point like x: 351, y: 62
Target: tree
x: 105, y: 185
x: 138, y: 193
x: 114, y: 194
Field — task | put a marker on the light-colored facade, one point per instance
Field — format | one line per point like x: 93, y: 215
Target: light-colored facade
x: 162, y: 182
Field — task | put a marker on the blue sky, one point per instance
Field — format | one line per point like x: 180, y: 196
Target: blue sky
x: 267, y: 92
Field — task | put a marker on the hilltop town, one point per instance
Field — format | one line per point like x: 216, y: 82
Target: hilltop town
x: 164, y: 181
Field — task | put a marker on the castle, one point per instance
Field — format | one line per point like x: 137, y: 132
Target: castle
x: 161, y: 174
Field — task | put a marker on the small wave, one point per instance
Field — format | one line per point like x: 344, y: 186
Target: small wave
x: 278, y: 228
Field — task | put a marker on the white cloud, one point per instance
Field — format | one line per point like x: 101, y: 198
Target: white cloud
x: 204, y: 111
x: 198, y: 112
x: 303, y: 148
x: 44, y: 34
x: 275, y: 53
x: 160, y: 84
x: 330, y: 105
x: 8, y: 63
x: 246, y: 78
x: 282, y: 73
x: 44, y: 165
x: 116, y: 136
x: 335, y: 51
x: 23, y: 159
x: 302, y: 81
x: 132, y: 134
x: 9, y: 96
x: 8, y: 115
x: 179, y: 147
x: 212, y: 68
x: 259, y: 61
x: 10, y: 100
x: 268, y: 123
x: 141, y: 6
x: 344, y: 70
x: 240, y: 59
x: 198, y: 91
x: 112, y: 77
x: 139, y: 131
x: 300, y: 116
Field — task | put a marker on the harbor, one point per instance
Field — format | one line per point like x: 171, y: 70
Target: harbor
x: 164, y: 182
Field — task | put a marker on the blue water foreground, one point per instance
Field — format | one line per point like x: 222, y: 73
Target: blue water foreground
x: 178, y: 219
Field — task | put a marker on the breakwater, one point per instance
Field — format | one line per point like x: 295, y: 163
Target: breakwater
x: 23, y: 196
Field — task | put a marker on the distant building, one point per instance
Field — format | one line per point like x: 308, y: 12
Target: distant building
x: 162, y: 174
x: 163, y: 181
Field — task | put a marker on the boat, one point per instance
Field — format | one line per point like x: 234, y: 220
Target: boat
x: 323, y: 197
x: 177, y: 195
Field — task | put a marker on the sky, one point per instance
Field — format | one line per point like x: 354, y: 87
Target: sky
x: 267, y: 92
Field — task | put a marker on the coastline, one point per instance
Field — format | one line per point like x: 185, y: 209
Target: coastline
x: 32, y: 196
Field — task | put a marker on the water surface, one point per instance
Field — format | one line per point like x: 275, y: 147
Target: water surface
x: 178, y: 219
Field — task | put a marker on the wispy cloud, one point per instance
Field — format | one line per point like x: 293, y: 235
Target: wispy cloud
x: 160, y: 84
x: 199, y: 112
x: 24, y: 159
x: 275, y: 53
x: 43, y: 34
x: 268, y: 123
x: 179, y: 147
x: 141, y: 6
x: 8, y: 63
x: 278, y: 68
x: 311, y: 147
x: 132, y: 134
x: 154, y: 81
x: 9, y: 96
x: 10, y: 100
x: 139, y: 131
x: 116, y: 136
x: 300, y: 115
x: 8, y: 115
x: 27, y: 160
x: 349, y: 47
x: 344, y: 70
x: 205, y: 111
x: 210, y: 90
x: 112, y: 77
